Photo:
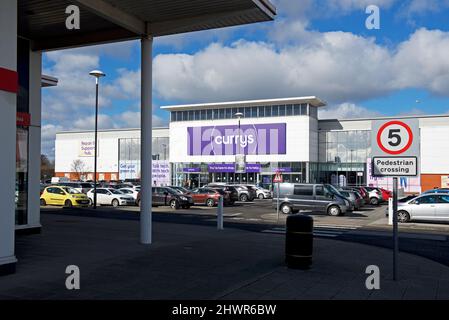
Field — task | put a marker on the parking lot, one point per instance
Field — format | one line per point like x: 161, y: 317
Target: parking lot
x: 259, y: 215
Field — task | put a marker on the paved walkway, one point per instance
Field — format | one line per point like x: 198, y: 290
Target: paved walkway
x: 198, y: 262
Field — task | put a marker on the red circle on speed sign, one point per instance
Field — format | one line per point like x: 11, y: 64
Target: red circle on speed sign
x: 395, y: 123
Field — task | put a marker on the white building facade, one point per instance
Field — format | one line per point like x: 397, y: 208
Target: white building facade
x: 275, y: 135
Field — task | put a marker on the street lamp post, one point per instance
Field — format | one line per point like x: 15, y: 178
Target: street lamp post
x: 239, y: 116
x: 97, y: 74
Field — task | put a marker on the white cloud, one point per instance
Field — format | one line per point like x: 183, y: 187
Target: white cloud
x: 337, y: 66
x: 346, y: 111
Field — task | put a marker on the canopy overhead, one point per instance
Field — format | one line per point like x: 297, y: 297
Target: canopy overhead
x: 104, y: 21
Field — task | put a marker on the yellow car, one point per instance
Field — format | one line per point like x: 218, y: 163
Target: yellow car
x: 63, y: 196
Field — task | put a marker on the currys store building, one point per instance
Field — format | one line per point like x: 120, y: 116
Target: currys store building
x: 273, y: 135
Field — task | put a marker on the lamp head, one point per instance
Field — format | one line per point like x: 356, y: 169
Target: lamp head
x: 239, y: 115
x: 97, y: 73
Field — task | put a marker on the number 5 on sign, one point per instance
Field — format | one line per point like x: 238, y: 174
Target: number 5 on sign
x: 395, y: 138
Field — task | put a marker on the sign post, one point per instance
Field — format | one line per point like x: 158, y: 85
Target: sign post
x: 277, y: 180
x: 395, y: 152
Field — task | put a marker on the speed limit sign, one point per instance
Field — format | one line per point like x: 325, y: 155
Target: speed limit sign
x: 395, y: 147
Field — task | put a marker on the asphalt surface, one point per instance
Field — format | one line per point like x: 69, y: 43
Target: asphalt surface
x: 368, y: 225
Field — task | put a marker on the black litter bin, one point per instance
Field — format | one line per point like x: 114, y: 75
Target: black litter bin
x: 299, y: 242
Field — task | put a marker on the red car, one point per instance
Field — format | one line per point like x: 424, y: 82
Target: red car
x: 208, y: 196
x: 386, y: 194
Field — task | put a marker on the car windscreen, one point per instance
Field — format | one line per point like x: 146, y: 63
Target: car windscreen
x: 71, y: 190
x: 332, y: 189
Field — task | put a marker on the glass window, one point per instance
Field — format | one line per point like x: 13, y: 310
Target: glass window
x: 274, y: 111
x: 221, y: 113
x: 184, y: 115
x: 282, y: 110
x: 173, y: 116
x: 443, y: 199
x: 261, y: 112
x: 426, y: 199
x: 21, y: 190
x: 319, y: 191
x: 303, y: 109
x: 242, y: 110
x: 303, y: 190
x: 234, y: 111
x: 289, y: 110
x: 228, y: 113
x: 247, y: 112
x: 197, y: 115
x: 267, y: 111
x: 216, y: 114
x: 254, y: 112
x: 203, y: 114
x: 297, y: 109
x: 209, y: 114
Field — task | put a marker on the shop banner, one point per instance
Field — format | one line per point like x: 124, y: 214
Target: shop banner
x: 87, y: 148
x: 257, y: 139
x: 230, y: 168
x: 130, y: 169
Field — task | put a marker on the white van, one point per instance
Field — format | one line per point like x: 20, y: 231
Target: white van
x: 55, y: 180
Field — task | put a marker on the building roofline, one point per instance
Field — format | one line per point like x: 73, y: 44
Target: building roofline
x: 313, y: 100
x: 387, y: 118
x: 108, y: 130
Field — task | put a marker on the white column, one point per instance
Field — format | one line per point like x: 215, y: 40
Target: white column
x: 146, y: 139
x: 8, y: 107
x: 34, y: 150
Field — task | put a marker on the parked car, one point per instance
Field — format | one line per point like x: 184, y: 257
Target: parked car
x: 316, y: 197
x: 386, y: 194
x: 82, y: 187
x: 63, y: 196
x: 165, y: 196
x: 209, y: 196
x: 374, y: 195
x: 55, y: 180
x: 425, y: 207
x: 262, y: 193
x: 130, y: 192
x: 134, y: 182
x: 354, y: 197
x: 440, y: 190
x: 245, y: 193
x: 110, y: 196
x: 180, y: 189
x: 230, y: 189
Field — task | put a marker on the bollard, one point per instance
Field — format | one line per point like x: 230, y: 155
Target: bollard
x: 390, y: 211
x: 299, y: 242
x: 220, y: 213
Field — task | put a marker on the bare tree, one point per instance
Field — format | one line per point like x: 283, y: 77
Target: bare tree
x: 80, y: 168
x: 47, y: 167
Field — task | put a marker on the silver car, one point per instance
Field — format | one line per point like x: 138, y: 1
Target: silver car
x: 425, y: 207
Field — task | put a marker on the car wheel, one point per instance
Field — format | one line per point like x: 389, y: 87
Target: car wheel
x: 68, y: 204
x: 374, y: 201
x: 210, y: 202
x: 403, y: 216
x: 261, y: 196
x: 174, y: 205
x: 243, y: 198
x: 334, y: 211
x: 286, y: 209
x: 115, y: 203
x: 43, y: 203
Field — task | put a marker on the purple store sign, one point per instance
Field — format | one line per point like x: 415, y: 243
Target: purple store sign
x: 230, y: 168
x: 257, y: 139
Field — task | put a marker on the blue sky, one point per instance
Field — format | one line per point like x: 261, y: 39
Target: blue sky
x: 315, y: 47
